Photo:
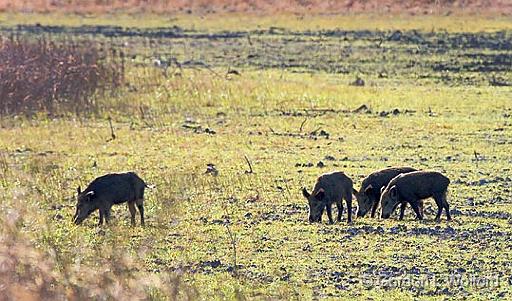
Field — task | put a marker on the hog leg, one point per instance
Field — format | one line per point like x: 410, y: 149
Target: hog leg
x: 374, y: 208
x: 421, y: 205
x: 106, y: 213
x: 131, y: 207
x: 440, y: 206
x: 416, y: 208
x: 328, y: 207
x: 140, y: 206
x: 101, y: 217
x: 348, y: 199
x: 402, y: 210
x: 339, y: 204
x: 446, y: 207
x: 441, y: 202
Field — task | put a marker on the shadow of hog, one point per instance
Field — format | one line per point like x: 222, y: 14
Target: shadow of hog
x: 369, y: 195
x: 108, y: 190
x: 413, y: 187
x: 330, y: 188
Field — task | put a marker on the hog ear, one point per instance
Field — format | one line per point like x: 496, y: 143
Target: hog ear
x: 368, y: 189
x: 305, y: 193
x: 79, y: 190
x: 320, y: 194
x: 393, y: 191
x: 90, y: 194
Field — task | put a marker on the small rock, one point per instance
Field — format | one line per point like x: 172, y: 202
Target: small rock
x: 460, y: 270
x: 211, y: 169
x: 449, y: 230
x: 324, y: 134
x: 253, y: 198
x: 213, y: 264
x: 307, y: 248
x: 234, y: 72
x: 210, y: 131
x: 359, y: 82
x: 394, y: 230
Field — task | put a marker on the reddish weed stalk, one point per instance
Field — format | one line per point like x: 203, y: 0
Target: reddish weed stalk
x: 55, y: 76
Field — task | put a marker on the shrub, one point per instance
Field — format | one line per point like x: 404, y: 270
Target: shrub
x: 55, y: 76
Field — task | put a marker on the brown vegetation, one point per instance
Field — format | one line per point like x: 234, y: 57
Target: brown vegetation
x: 261, y: 6
x: 46, y: 75
x: 28, y: 273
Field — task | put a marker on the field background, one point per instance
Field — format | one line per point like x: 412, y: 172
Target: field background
x: 282, y: 91
x: 420, y: 7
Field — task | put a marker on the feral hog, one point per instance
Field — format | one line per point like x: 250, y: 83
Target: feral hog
x: 369, y: 195
x: 413, y: 187
x: 110, y: 189
x: 330, y: 188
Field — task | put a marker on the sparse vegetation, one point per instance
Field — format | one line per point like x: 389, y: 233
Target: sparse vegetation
x: 229, y: 152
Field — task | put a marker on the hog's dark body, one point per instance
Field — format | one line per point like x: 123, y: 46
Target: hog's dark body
x: 416, y: 186
x: 376, y: 181
x: 109, y: 190
x: 334, y: 187
x: 420, y: 184
x: 117, y: 188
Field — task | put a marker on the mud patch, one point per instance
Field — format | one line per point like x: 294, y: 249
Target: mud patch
x: 482, y: 58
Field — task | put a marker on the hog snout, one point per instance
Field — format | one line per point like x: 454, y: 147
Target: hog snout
x: 314, y: 219
x: 77, y: 220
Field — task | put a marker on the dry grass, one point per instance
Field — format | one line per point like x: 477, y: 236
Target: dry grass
x: 28, y: 273
x: 261, y: 6
x: 46, y: 75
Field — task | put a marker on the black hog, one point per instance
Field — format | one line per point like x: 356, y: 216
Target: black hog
x: 368, y: 196
x: 330, y: 188
x: 413, y: 187
x: 108, y: 190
